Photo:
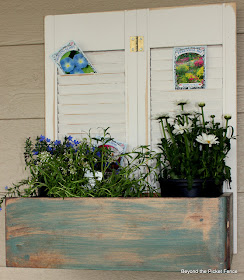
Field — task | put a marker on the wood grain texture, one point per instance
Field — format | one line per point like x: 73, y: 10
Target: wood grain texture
x: 22, y: 82
x: 82, y: 130
x: 60, y: 274
x: 238, y: 259
x: 84, y: 79
x: 94, y: 133
x: 12, y: 138
x: 156, y: 234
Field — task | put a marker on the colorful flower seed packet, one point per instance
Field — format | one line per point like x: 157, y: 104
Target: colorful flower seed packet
x: 189, y: 66
x: 117, y: 148
x: 70, y: 59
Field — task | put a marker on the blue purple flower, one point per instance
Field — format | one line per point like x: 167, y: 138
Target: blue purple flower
x: 67, y: 64
x: 76, y: 142
x: 77, y: 70
x: 49, y: 149
x: 80, y: 61
x: 42, y: 138
x: 69, y: 145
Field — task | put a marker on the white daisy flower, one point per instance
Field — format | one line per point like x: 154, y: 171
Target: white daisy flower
x: 180, y: 129
x: 210, y: 139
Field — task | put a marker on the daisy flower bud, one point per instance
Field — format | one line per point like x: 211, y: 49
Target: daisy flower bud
x: 181, y: 102
x: 201, y: 104
x: 162, y: 116
x: 227, y: 117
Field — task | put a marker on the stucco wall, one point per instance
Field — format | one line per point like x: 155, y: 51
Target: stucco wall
x: 22, y: 111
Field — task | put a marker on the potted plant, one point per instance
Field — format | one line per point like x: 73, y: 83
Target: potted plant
x: 193, y: 153
x: 87, y: 168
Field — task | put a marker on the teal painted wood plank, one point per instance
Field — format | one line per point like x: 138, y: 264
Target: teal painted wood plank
x: 156, y: 234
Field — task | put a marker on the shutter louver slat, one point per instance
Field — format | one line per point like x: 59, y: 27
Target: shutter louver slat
x: 84, y: 79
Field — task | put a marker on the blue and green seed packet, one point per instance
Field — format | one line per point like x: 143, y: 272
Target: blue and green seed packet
x: 70, y: 59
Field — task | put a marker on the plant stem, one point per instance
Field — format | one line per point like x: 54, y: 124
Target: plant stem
x: 187, y: 122
x: 203, y: 121
x: 187, y: 146
x: 170, y: 133
x: 163, y: 129
x: 226, y: 127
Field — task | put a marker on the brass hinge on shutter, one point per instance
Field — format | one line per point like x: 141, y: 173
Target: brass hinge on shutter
x: 137, y: 44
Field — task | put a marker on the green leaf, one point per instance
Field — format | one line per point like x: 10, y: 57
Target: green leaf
x: 88, y: 69
x: 65, y: 55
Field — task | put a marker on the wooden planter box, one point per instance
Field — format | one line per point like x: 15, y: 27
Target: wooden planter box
x: 157, y: 234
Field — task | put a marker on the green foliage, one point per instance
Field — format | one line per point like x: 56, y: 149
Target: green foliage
x: 85, y: 169
x: 189, y: 68
x: 88, y: 69
x: 191, y: 56
x: 193, y: 148
x: 200, y: 72
x: 182, y: 69
x: 65, y: 55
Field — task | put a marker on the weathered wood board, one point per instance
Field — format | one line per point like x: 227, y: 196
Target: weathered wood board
x: 155, y: 234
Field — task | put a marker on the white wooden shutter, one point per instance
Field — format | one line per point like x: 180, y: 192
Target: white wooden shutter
x: 213, y: 26
x: 77, y: 103
x: 131, y: 88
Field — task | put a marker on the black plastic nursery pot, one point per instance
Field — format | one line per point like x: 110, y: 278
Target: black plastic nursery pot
x: 42, y: 192
x: 179, y: 188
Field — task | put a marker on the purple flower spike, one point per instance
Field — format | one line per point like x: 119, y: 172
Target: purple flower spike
x: 42, y: 138
x: 57, y: 142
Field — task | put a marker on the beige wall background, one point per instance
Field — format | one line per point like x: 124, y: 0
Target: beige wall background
x: 22, y: 112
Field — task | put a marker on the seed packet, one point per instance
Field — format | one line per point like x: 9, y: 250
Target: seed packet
x: 70, y: 59
x: 189, y: 67
x: 115, y: 146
